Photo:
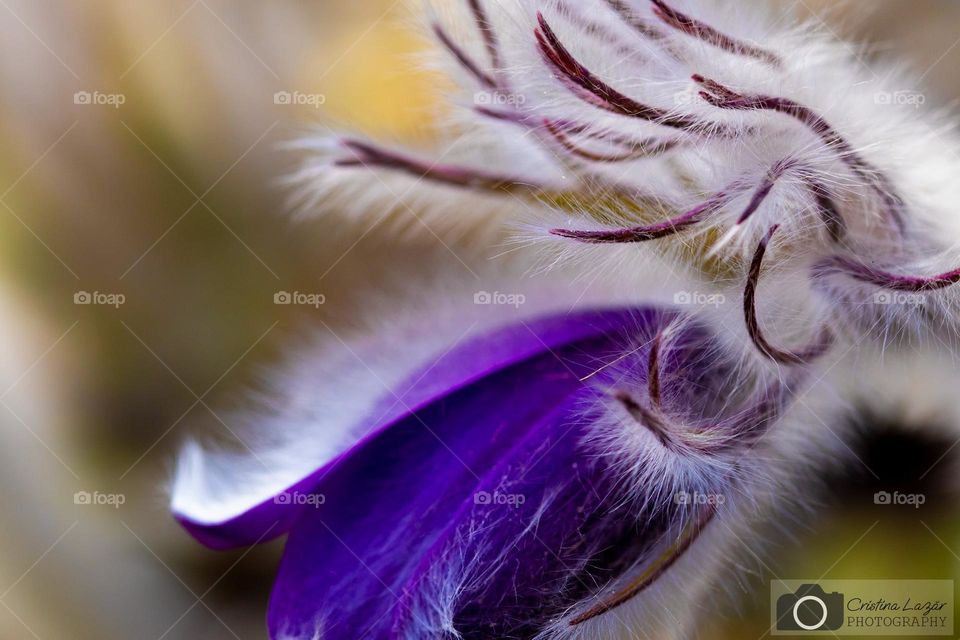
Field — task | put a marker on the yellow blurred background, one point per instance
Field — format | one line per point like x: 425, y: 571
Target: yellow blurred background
x: 141, y: 159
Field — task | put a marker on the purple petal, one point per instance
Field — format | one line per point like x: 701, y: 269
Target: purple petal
x: 473, y: 360
x: 486, y: 509
x: 490, y: 496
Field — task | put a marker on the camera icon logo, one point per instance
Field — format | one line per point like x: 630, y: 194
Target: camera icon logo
x: 682, y: 297
x: 82, y: 497
x: 883, y: 297
x: 283, y: 97
x: 82, y: 297
x: 282, y: 297
x: 882, y: 497
x: 810, y: 608
x: 482, y: 297
x: 83, y: 97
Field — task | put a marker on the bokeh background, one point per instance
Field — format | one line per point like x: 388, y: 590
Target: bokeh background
x: 173, y: 201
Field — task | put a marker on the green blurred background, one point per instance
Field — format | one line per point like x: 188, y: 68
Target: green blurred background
x: 172, y: 200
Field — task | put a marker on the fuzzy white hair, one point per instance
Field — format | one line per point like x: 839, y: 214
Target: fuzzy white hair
x: 318, y: 404
x: 582, y: 121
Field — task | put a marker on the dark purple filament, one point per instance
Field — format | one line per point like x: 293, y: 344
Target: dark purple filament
x: 764, y: 188
x: 693, y: 216
x: 651, y: 231
x: 827, y: 207
x: 563, y: 130
x: 642, y: 27
x: 461, y: 56
x: 641, y: 149
x: 815, y: 350
x: 685, y: 24
x: 597, y: 29
x: 648, y: 577
x: 647, y: 417
x: 725, y: 98
x: 488, y: 32
x: 368, y: 155
x: 598, y: 93
x: 893, y: 281
x: 653, y: 370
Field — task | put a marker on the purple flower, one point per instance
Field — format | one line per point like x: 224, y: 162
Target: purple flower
x: 536, y: 476
x: 557, y: 476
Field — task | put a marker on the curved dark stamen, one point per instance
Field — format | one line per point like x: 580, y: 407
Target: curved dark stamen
x: 566, y: 128
x: 651, y: 574
x: 685, y: 24
x: 725, y: 98
x: 826, y: 207
x: 601, y: 94
x: 643, y: 149
x: 653, y: 370
x: 504, y: 115
x: 624, y: 140
x: 829, y: 212
x: 642, y: 27
x: 749, y: 426
x: 532, y: 121
x: 368, y: 155
x: 461, y: 56
x: 892, y: 281
x: 818, y: 348
x: 684, y: 220
x: 720, y: 96
x: 595, y: 29
x: 488, y: 33
x: 745, y: 427
x: 765, y: 187
x: 646, y: 232
x: 646, y: 417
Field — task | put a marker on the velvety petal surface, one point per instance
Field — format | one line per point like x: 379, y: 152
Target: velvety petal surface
x: 480, y: 510
x: 469, y: 362
x: 486, y: 496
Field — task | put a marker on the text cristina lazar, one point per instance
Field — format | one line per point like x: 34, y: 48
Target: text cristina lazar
x: 904, y: 608
x: 905, y: 614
